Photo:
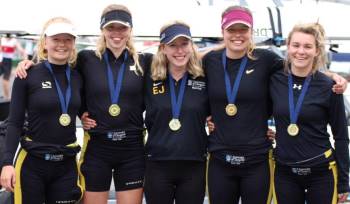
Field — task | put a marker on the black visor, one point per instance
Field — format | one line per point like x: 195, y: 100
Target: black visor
x: 116, y: 16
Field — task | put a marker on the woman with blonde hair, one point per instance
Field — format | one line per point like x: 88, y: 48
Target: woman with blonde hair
x: 114, y: 103
x: 240, y: 164
x: 176, y: 110
x: 308, y: 169
x: 113, y: 141
x: 51, y: 97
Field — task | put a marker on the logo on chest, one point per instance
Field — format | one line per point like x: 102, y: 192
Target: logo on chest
x: 196, y: 85
x: 158, y: 88
x: 46, y: 85
x: 249, y: 71
x: 297, y: 86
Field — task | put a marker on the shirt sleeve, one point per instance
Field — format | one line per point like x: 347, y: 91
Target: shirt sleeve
x: 16, y: 119
x: 79, y: 68
x: 340, y: 134
x: 147, y: 62
x: 275, y: 61
x: 204, y: 63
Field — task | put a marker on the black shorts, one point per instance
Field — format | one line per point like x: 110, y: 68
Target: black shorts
x: 49, y: 182
x: 101, y: 160
x: 227, y: 183
x: 315, y: 185
x: 179, y: 181
x: 6, y: 67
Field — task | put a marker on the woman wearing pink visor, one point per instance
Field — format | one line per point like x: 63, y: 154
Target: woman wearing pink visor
x: 238, y: 87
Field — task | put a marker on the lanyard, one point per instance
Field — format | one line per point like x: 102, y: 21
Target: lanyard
x: 294, y: 110
x: 176, y: 102
x: 115, y: 87
x: 231, y: 92
x: 64, y: 101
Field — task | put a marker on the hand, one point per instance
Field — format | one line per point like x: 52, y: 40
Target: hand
x: 342, y: 197
x: 21, y: 70
x: 341, y: 84
x: 87, y: 122
x: 271, y: 135
x: 210, y: 123
x: 8, y: 177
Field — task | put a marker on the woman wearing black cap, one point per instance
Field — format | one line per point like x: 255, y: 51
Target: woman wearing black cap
x: 114, y: 103
x: 46, y: 168
x: 238, y: 87
x: 307, y: 168
x: 176, y: 110
x: 113, y: 78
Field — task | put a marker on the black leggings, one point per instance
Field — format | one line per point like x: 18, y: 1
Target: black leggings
x: 182, y: 181
x: 228, y: 183
x: 297, y: 185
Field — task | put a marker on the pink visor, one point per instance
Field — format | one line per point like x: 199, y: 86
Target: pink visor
x: 236, y: 16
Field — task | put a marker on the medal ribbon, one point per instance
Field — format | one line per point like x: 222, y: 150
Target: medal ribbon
x: 64, y: 102
x: 114, y: 88
x: 231, y: 93
x: 176, y: 103
x: 294, y: 113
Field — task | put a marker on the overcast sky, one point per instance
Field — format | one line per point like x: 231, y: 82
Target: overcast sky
x: 150, y: 15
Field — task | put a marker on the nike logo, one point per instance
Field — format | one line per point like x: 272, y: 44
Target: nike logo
x: 157, y: 83
x: 249, y: 71
x: 46, y: 85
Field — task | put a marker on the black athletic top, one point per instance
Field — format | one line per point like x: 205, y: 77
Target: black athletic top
x: 190, y: 141
x: 320, y: 107
x: 36, y: 95
x: 97, y: 96
x: 245, y: 133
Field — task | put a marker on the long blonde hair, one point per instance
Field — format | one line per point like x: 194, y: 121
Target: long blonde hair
x: 42, y: 52
x: 160, y: 61
x: 101, y: 43
x: 251, y: 45
x: 316, y: 30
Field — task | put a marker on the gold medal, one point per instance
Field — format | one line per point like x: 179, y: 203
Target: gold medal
x: 64, y: 119
x: 293, y: 129
x: 114, y: 110
x: 175, y: 124
x: 231, y: 109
